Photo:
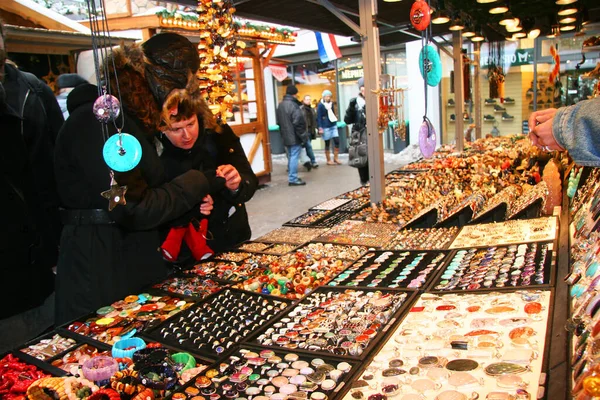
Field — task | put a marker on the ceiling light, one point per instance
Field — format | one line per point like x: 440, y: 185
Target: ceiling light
x: 519, y: 35
x: 456, y: 25
x: 499, y: 9
x: 485, y: 1
x: 440, y: 17
x: 514, y: 28
x: 512, y: 38
x: 508, y: 19
x: 478, y: 37
x: 469, y: 32
x: 567, y: 10
x: 392, y: 1
x: 534, y: 33
x: 565, y: 2
x: 567, y: 20
x: 567, y: 28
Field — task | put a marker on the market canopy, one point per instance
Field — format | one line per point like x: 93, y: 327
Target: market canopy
x: 393, y: 17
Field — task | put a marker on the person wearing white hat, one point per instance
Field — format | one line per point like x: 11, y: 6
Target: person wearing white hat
x: 327, y: 124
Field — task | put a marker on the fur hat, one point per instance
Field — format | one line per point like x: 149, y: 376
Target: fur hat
x: 326, y: 93
x: 291, y: 89
x: 171, y: 61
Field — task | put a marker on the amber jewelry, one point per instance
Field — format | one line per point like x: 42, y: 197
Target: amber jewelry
x: 126, y: 382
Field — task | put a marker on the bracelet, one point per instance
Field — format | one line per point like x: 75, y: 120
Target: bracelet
x: 126, y: 347
x: 126, y: 382
x: 105, y: 394
x: 146, y: 394
x: 99, y: 368
x: 75, y: 386
x: 39, y: 389
x: 158, y: 377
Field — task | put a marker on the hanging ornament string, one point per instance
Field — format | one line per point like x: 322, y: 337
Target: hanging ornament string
x: 427, y: 135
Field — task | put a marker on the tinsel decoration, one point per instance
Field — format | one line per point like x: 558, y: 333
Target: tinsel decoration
x: 217, y: 49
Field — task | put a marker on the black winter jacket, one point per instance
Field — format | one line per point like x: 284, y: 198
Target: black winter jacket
x: 228, y: 221
x: 291, y: 121
x: 99, y: 264
x: 311, y: 121
x: 28, y: 279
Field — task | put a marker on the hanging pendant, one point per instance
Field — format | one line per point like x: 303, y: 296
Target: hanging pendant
x: 122, y: 152
x: 107, y: 108
x: 430, y: 65
x: 427, y: 139
x: 116, y: 194
x: 420, y: 15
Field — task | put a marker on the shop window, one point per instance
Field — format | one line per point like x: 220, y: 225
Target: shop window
x: 244, y: 97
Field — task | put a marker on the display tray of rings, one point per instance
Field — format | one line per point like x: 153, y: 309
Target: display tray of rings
x: 516, y: 266
x: 334, y: 219
x: 233, y: 271
x: 214, y: 325
x: 392, y: 269
x: 424, y: 239
x: 267, y: 248
x: 309, y: 218
x: 496, y: 208
x: 256, y: 373
x: 190, y: 286
x: 331, y: 204
x: 125, y: 318
x: 343, y: 322
x: 293, y: 235
x: 319, y: 250
x: 460, y: 347
x: 507, y: 233
x: 359, y: 233
x: 530, y: 204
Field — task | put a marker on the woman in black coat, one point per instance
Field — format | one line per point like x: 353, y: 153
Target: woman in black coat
x: 193, y: 140
x: 106, y: 255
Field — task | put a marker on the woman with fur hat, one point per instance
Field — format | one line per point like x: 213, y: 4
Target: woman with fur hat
x: 106, y: 255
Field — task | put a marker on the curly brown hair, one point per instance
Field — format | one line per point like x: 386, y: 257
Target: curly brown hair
x: 182, y: 104
x: 136, y: 95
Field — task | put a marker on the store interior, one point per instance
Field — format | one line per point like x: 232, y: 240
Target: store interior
x: 475, y: 276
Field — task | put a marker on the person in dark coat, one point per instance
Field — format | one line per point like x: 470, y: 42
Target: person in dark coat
x: 357, y: 146
x: 311, y: 126
x: 293, y: 131
x: 193, y: 140
x: 106, y: 255
x: 29, y: 121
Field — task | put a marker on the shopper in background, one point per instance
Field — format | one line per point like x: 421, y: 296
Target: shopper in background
x: 311, y: 127
x: 327, y: 124
x: 66, y: 83
x: 292, y: 126
x: 193, y: 140
x: 29, y: 121
x: 106, y: 255
x: 357, y: 146
x: 574, y: 128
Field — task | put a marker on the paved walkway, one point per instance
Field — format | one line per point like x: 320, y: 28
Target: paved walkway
x: 277, y: 203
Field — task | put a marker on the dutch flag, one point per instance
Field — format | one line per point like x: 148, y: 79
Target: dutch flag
x: 328, y: 48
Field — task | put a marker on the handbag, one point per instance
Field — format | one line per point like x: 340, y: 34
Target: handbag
x: 357, y: 148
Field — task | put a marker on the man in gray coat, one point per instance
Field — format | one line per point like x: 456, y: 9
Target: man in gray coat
x: 293, y: 131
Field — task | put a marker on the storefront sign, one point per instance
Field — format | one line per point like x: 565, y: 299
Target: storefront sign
x: 519, y: 57
x: 351, y: 74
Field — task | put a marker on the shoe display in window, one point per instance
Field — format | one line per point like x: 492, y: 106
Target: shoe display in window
x: 466, y: 116
x: 489, y: 118
x: 507, y: 117
x: 452, y: 118
x: 509, y: 100
x: 498, y: 108
x: 490, y: 102
x: 450, y: 103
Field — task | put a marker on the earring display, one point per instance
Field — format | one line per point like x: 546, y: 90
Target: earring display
x: 391, y: 269
x: 360, y: 234
x: 231, y: 271
x: 462, y: 347
x: 192, y: 286
x: 424, y: 239
x: 506, y: 196
x: 293, y: 235
x: 125, y: 318
x: 505, y: 233
x: 280, y: 248
x: 254, y: 247
x: 341, y: 322
x: 271, y: 374
x: 318, y: 251
x: 233, y: 256
x: 218, y: 322
x: 498, y: 267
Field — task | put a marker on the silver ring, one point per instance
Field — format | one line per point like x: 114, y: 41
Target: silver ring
x: 546, y: 148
